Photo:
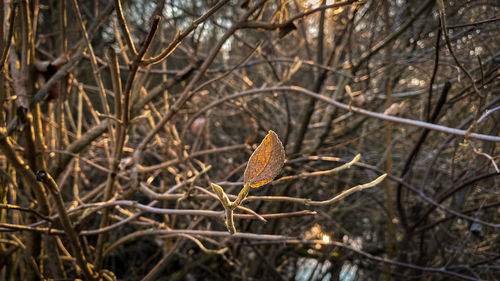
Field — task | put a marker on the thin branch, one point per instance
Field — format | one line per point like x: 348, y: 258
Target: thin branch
x: 180, y: 36
x: 124, y: 27
x: 190, y: 237
x: 152, y: 168
x: 435, y: 204
x: 354, y: 109
x: 187, y: 92
x: 321, y: 173
x: 473, y: 23
x: 49, y: 182
x: 291, y: 240
x: 28, y: 210
x: 346, y: 193
x: 380, y: 45
x: 480, y: 152
x: 7, y: 43
x: 273, y: 26
x: 442, y: 17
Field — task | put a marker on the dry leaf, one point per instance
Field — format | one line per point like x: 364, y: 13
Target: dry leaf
x: 266, y: 161
x: 349, y: 91
x: 297, y: 63
x: 198, y: 125
x: 392, y: 110
x: 283, y: 31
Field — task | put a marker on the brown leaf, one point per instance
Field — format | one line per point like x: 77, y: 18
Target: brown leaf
x: 283, y: 31
x: 266, y: 161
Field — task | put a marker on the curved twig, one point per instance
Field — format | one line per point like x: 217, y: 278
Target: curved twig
x: 344, y: 106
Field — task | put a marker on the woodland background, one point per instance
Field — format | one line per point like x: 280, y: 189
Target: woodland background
x: 117, y: 115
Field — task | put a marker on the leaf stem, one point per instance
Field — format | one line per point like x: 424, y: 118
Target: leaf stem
x: 230, y: 206
x: 241, y: 196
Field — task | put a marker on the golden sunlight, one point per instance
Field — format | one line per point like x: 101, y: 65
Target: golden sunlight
x: 326, y: 238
